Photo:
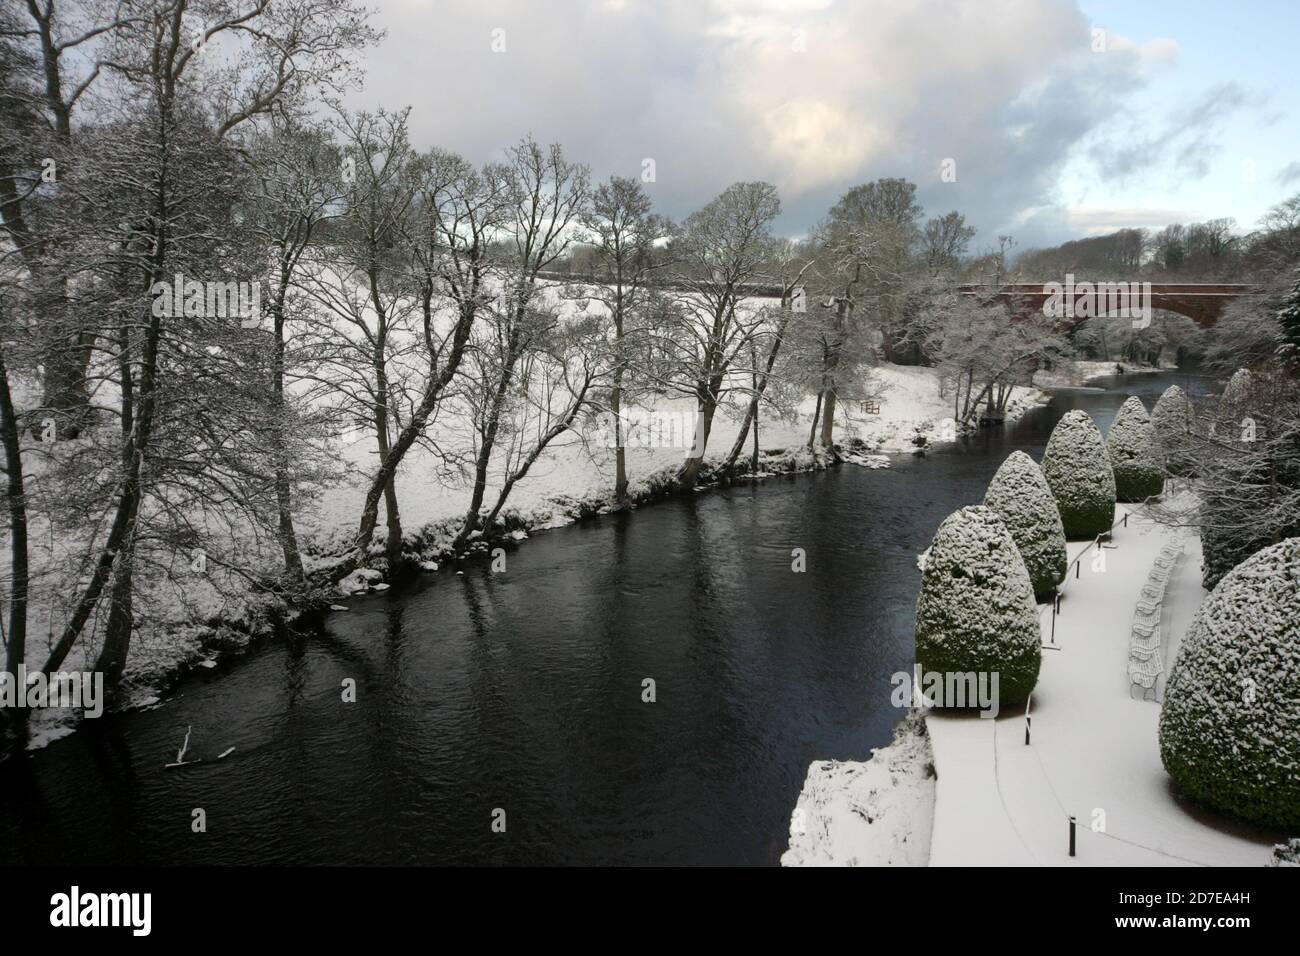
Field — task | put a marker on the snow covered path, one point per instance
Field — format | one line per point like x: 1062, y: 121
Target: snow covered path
x: 1094, y: 749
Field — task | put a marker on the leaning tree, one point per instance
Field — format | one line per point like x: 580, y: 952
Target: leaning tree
x: 1078, y: 470
x: 1134, y: 453
x: 1020, y: 495
x: 976, y: 610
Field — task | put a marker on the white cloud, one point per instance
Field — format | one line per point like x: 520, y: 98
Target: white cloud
x: 813, y: 95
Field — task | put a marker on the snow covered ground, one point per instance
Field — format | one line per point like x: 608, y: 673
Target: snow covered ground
x: 569, y: 473
x: 190, y: 621
x: 1094, y: 751
x: 1076, y: 374
x: 877, y: 812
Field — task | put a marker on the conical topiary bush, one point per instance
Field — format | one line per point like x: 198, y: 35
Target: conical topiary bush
x: 1236, y: 394
x: 1173, y: 420
x: 1134, y: 453
x: 976, y: 610
x: 1230, y: 723
x: 1234, y: 409
x: 1078, y: 471
x: 1022, y: 499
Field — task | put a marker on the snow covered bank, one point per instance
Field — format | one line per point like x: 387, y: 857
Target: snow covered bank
x: 874, y: 813
x: 190, y: 618
x: 1094, y: 751
x: 573, y: 480
x: 1077, y: 374
x: 973, y: 794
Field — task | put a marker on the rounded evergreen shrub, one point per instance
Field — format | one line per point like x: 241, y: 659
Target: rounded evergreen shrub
x: 1022, y: 499
x: 1230, y: 724
x: 1077, y: 469
x: 1174, y: 420
x: 1236, y: 394
x: 976, y: 609
x: 1134, y: 453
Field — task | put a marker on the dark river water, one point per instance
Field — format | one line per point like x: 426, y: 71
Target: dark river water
x: 523, y: 691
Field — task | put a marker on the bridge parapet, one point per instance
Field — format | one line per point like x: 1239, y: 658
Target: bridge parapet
x: 1202, y: 302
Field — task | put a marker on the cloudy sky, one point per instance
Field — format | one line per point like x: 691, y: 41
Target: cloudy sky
x: 1059, y: 118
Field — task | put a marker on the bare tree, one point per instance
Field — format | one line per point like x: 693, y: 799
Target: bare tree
x: 548, y: 196
x: 719, y: 256
x: 299, y: 188
x: 172, y: 166
x: 624, y: 234
x: 945, y: 240
x: 790, y: 263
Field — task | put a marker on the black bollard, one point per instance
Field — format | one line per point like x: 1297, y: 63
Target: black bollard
x: 1071, y: 836
x: 1027, y: 722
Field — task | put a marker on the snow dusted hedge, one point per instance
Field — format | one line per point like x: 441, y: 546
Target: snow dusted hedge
x: 1235, y: 400
x: 1134, y: 453
x: 1078, y: 471
x: 1173, y: 421
x: 976, y: 609
x: 1022, y: 499
x: 1230, y: 724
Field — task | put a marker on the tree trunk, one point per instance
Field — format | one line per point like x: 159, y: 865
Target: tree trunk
x: 691, y: 468
x: 121, y: 618
x: 760, y: 386
x: 817, y: 414
x: 620, y: 455
x: 488, y: 440
x: 283, y: 488
x: 17, y: 502
x: 393, y: 543
x: 137, y: 427
x: 66, y: 398
x: 616, y: 404
x: 828, y: 420
x: 521, y: 472
x: 388, y: 467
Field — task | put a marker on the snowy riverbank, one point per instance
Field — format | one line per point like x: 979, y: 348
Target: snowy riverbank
x: 573, y: 480
x: 877, y: 812
x: 1094, y: 751
x: 194, y: 620
x: 1077, y: 374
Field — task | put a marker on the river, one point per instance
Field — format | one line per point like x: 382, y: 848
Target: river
x: 522, y: 691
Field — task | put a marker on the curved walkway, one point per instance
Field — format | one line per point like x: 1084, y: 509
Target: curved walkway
x: 1093, y: 747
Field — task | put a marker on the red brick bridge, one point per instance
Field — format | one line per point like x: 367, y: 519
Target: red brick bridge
x: 1202, y: 302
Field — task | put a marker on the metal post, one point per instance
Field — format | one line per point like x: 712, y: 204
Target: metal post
x: 1126, y: 519
x: 1028, y: 719
x: 1077, y: 565
x: 1071, y: 836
